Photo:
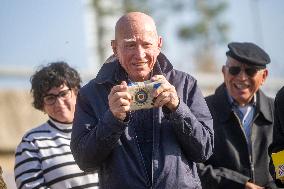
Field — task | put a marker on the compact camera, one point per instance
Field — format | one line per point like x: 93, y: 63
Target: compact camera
x: 141, y: 94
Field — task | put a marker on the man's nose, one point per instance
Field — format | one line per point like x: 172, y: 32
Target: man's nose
x: 242, y: 75
x: 140, y: 52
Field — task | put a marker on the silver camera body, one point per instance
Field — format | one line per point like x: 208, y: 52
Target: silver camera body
x: 142, y: 94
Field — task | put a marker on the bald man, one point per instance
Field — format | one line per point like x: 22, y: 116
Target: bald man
x: 155, y: 147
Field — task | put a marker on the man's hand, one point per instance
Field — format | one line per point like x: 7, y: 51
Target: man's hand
x: 250, y: 185
x: 119, y: 101
x: 165, y: 94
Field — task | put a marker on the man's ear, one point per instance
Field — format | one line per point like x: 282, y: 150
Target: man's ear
x: 113, y: 46
x: 160, y: 42
x: 223, y: 69
x: 264, y: 75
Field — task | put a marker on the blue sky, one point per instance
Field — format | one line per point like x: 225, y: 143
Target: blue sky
x: 35, y: 32
x: 268, y: 33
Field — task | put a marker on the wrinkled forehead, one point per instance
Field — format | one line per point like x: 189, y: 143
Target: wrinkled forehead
x: 131, y: 27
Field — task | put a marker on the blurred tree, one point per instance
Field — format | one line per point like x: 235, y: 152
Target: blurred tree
x: 136, y: 5
x: 207, y: 31
x: 102, y: 11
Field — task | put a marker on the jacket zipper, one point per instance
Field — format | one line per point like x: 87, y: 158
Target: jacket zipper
x: 252, y: 167
x: 153, y: 148
x: 250, y: 154
x: 141, y: 157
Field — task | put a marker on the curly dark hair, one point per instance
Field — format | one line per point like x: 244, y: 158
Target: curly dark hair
x: 54, y: 74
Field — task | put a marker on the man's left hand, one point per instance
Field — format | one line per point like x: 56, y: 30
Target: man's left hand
x: 165, y: 94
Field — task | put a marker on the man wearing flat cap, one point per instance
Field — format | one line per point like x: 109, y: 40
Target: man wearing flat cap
x: 243, y: 120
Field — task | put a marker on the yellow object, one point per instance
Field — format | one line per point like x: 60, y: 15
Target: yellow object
x: 278, y: 161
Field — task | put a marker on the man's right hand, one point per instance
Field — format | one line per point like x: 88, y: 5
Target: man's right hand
x: 250, y: 185
x: 119, y: 101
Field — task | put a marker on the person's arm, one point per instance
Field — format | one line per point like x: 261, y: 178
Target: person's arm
x: 278, y: 132
x: 28, y: 170
x: 193, y: 124
x: 278, y: 129
x: 218, y: 177
x: 94, y: 139
x: 221, y: 177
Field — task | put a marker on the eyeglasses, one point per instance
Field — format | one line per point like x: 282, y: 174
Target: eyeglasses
x: 50, y: 99
x: 235, y: 70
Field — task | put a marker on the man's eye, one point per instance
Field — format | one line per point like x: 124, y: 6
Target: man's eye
x: 130, y: 45
x: 148, y: 45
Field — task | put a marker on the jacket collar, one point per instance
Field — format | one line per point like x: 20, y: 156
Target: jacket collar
x: 224, y: 105
x: 263, y: 107
x: 113, y: 73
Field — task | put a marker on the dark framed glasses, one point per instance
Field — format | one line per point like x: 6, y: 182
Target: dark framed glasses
x: 235, y: 70
x: 50, y: 99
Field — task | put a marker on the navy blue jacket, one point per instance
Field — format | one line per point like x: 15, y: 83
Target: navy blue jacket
x: 180, y: 138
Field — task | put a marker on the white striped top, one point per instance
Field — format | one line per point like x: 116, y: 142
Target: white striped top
x: 43, y: 159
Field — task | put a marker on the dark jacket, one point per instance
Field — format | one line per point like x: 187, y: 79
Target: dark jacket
x: 100, y: 141
x: 231, y: 166
x: 278, y: 128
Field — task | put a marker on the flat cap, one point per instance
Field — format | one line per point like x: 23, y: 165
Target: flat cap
x: 248, y: 53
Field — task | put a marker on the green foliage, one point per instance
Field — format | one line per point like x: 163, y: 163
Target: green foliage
x: 207, y: 31
x: 136, y: 5
x: 209, y: 23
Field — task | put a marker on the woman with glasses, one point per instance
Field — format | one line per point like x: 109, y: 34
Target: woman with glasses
x: 43, y: 158
x: 243, y: 123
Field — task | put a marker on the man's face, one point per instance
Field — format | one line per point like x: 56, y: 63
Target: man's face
x: 242, y: 87
x: 137, y: 47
